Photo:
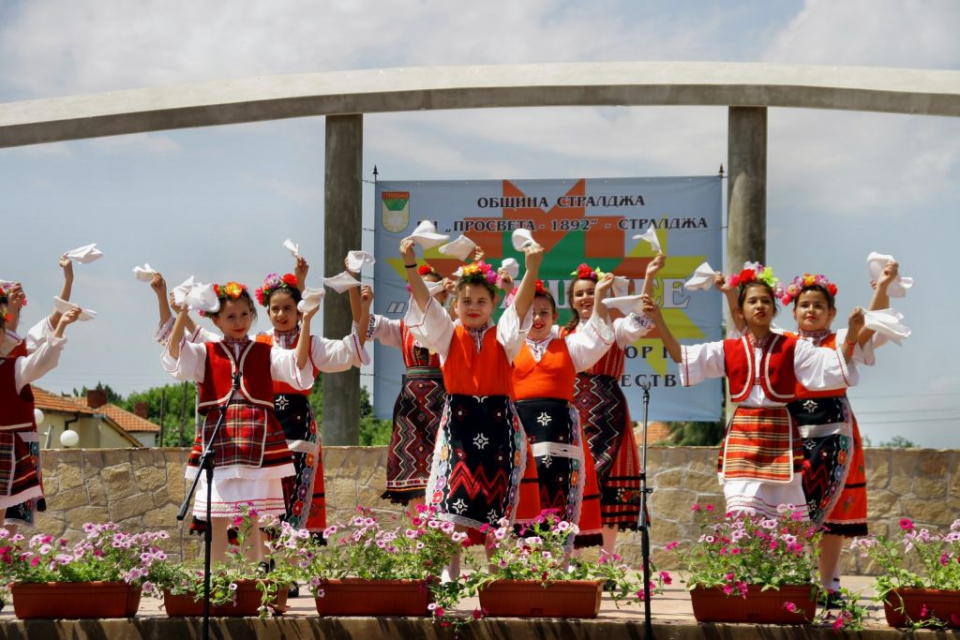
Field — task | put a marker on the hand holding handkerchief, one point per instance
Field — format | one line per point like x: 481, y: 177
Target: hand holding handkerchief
x: 625, y: 304
x: 876, y: 262
x: 85, y: 254
x: 888, y: 323
x: 202, y: 297
x: 434, y: 288
x: 63, y: 306
x: 702, y: 278
x: 181, y: 290
x: 650, y: 235
x: 426, y: 235
x: 522, y: 238
x: 461, y: 248
x: 310, y: 299
x: 294, y: 249
x: 512, y: 267
x: 356, y: 260
x: 144, y: 273
x: 341, y: 282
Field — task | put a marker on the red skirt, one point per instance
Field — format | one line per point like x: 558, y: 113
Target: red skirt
x: 848, y: 518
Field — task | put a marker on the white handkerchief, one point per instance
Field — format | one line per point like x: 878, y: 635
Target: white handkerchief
x: 650, y: 235
x: 294, y: 249
x: 875, y: 264
x: 85, y: 254
x: 458, y: 273
x: 6, y: 284
x: 461, y: 248
x: 626, y: 304
x: 426, y: 235
x: 63, y: 306
x: 702, y: 278
x: 434, y: 287
x: 181, y: 290
x: 521, y: 238
x: 887, y: 322
x: 202, y: 297
x: 356, y: 260
x: 620, y: 286
x: 341, y: 282
x: 311, y: 299
x: 144, y: 273
x: 512, y: 267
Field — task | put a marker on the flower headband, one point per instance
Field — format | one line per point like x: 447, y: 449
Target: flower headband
x: 427, y: 270
x: 479, y: 273
x: 540, y: 288
x: 755, y: 272
x: 232, y: 290
x: 793, y: 290
x: 273, y: 282
x: 4, y: 296
x: 584, y: 272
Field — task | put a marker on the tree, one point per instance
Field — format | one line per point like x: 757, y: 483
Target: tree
x: 112, y: 396
x: 898, y: 442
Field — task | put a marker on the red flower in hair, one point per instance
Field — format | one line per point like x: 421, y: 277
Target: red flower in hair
x: 585, y: 272
x: 747, y: 276
x: 216, y: 290
x: 425, y: 269
x: 540, y: 288
x: 832, y: 288
x: 289, y: 279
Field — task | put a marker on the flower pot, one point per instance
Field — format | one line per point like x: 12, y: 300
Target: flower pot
x: 247, y: 602
x: 75, y: 599
x: 759, y: 607
x: 531, y: 599
x: 906, y: 605
x: 358, y: 597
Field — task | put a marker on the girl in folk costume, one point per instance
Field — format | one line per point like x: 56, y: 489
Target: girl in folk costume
x: 21, y: 491
x: 303, y: 492
x: 252, y: 453
x: 417, y: 411
x: 834, y: 474
x: 479, y: 467
x: 762, y: 455
x: 603, y: 407
x: 12, y: 343
x: 544, y: 379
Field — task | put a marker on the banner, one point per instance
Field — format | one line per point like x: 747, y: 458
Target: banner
x: 576, y: 221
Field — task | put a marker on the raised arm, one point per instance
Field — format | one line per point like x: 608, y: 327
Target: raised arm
x: 528, y: 286
x: 652, y: 310
x: 366, y: 299
x: 304, y: 343
x: 67, y: 265
x: 730, y: 293
x: 173, y: 345
x: 354, y: 299
x: 301, y: 269
x: 880, y: 299
x: 417, y: 288
x: 159, y: 286
x: 653, y: 268
x: 601, y: 292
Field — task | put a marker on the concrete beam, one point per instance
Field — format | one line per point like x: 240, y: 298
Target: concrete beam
x: 342, y: 226
x: 909, y: 91
x: 747, y: 186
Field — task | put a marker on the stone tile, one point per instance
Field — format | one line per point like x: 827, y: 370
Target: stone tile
x: 119, y: 480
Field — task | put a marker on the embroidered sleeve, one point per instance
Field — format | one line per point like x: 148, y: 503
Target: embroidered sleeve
x: 190, y: 364
x: 822, y: 369
x: 511, y: 332
x: 591, y: 343
x: 162, y: 334
x: 701, y: 362
x: 38, y: 334
x: 432, y: 328
x: 631, y: 328
x: 331, y: 356
x: 36, y: 365
x: 386, y: 330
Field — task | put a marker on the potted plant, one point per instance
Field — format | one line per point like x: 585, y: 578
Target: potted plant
x: 751, y: 569
x: 238, y: 586
x: 100, y: 576
x: 920, y: 581
x: 531, y: 574
x: 364, y: 568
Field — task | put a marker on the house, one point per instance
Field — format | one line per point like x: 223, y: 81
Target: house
x: 99, y: 424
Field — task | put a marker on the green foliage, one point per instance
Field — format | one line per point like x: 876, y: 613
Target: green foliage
x: 168, y: 401
x: 112, y: 396
x: 695, y: 434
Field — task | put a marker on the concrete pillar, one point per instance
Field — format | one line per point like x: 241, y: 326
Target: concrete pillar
x: 747, y: 186
x: 342, y: 201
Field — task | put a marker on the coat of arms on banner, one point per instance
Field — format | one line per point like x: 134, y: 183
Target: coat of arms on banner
x: 395, y: 210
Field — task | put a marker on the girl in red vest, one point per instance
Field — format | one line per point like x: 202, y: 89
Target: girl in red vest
x: 39, y: 332
x: 544, y: 379
x: 417, y: 411
x: 21, y: 489
x: 761, y: 458
x: 479, y: 467
x: 834, y: 475
x: 251, y: 452
x: 304, y: 491
x: 603, y: 407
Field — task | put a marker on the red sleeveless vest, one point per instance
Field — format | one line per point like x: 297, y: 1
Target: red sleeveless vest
x: 553, y: 377
x: 830, y: 342
x: 255, y: 380
x: 466, y: 372
x: 777, y: 376
x: 17, y: 407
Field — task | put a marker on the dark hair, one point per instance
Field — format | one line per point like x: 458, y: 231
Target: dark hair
x: 293, y: 291
x: 462, y: 284
x: 757, y: 283
x: 831, y: 300
x: 546, y: 295
x: 575, y: 317
x: 244, y: 295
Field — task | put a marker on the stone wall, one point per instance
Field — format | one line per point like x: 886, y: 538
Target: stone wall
x: 143, y: 488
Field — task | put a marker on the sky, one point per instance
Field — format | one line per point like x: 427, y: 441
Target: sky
x: 218, y: 202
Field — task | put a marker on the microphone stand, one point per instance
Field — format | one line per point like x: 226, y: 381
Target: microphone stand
x: 643, y: 524
x: 206, y: 466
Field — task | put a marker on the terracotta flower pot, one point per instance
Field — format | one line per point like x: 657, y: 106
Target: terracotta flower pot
x: 75, y: 599
x: 247, y: 604
x: 358, y: 597
x: 905, y: 606
x: 530, y: 599
x: 759, y: 607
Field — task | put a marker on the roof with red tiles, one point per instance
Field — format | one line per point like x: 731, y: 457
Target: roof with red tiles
x: 46, y: 401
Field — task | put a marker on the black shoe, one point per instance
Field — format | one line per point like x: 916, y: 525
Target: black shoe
x: 831, y: 600
x: 294, y: 591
